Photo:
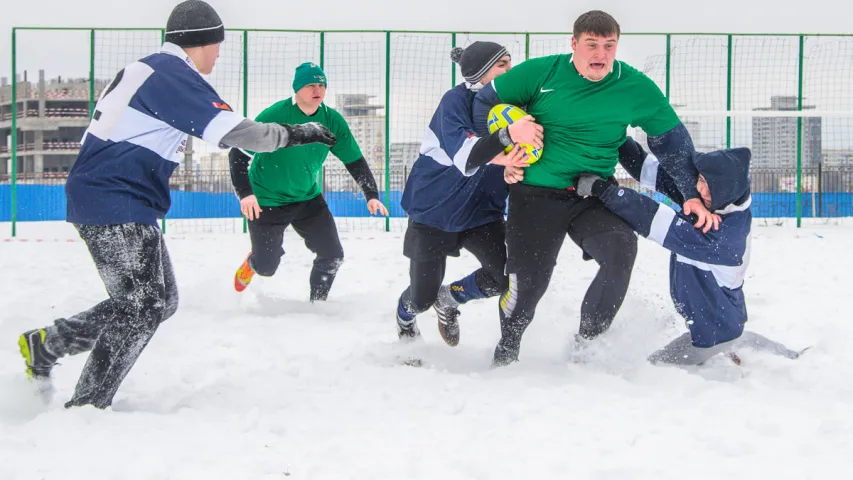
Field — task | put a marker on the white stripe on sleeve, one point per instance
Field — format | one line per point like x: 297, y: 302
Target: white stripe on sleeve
x: 660, y: 224
x: 460, y: 160
x: 649, y: 174
x: 221, y: 124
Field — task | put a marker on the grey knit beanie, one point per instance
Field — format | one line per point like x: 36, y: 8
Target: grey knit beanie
x: 194, y: 23
x: 476, y: 59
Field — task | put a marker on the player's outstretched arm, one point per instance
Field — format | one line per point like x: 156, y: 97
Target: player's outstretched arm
x: 663, y: 225
x: 646, y: 169
x: 674, y: 150
x: 269, y: 137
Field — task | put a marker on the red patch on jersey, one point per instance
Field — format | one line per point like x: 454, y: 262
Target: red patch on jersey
x: 222, y: 106
x: 470, y: 135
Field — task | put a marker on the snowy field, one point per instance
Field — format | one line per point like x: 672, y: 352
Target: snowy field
x: 264, y: 385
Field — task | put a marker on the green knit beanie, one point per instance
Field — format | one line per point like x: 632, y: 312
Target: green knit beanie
x: 306, y: 74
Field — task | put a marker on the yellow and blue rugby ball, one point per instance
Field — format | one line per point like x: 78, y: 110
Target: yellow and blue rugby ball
x: 503, y: 115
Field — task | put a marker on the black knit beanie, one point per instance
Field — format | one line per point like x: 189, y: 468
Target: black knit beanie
x: 476, y: 59
x: 194, y: 23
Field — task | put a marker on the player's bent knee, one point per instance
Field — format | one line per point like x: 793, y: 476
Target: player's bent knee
x: 171, y: 305
x: 502, y: 283
x: 265, y: 265
x: 424, y: 301
x: 491, y: 283
x: 147, y: 311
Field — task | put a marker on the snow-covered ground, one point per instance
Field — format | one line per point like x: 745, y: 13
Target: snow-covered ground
x: 264, y: 385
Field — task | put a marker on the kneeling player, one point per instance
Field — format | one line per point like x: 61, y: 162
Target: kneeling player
x: 707, y: 269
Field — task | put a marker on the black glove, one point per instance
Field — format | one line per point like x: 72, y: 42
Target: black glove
x: 312, y: 132
x: 588, y: 184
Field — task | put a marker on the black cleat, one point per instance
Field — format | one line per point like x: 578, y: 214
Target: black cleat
x: 448, y: 316
x: 38, y: 360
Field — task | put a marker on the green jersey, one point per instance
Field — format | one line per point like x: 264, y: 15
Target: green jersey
x: 291, y: 175
x: 585, y: 122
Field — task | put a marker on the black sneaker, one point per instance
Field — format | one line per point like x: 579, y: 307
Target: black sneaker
x: 448, y: 314
x: 407, y: 331
x: 504, y: 356
x: 319, y: 294
x: 320, y: 281
x: 38, y: 360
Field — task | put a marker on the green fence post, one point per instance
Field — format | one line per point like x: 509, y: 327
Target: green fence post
x: 163, y: 221
x: 388, y: 127
x: 527, y: 46
x: 245, y: 94
x: 668, y: 62
x: 14, y: 146
x: 91, y: 72
x: 322, y: 62
x: 729, y: 94
x: 800, y: 133
x: 452, y: 64
x: 666, y: 87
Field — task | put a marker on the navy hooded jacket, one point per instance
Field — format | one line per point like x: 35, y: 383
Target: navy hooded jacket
x: 707, y: 270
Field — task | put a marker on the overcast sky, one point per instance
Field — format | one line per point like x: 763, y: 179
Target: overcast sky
x: 67, y: 53
x: 788, y: 16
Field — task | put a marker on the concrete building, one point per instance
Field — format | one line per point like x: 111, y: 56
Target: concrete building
x: 774, y: 139
x: 403, y: 155
x: 51, y: 118
x: 837, y: 158
x: 366, y: 124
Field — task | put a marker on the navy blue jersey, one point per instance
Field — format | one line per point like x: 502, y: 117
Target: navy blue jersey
x: 440, y: 191
x: 137, y: 138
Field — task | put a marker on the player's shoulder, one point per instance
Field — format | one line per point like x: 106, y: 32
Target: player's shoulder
x: 460, y: 94
x: 538, y: 66
x: 161, y: 59
x: 331, y: 117
x: 625, y: 71
x: 333, y: 120
x: 277, y: 112
x: 547, y: 60
x: 331, y: 113
x: 166, y: 63
x: 171, y: 70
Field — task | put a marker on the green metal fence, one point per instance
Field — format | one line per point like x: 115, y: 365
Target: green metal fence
x: 788, y: 97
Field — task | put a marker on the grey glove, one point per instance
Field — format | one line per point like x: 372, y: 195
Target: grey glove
x: 312, y: 132
x: 584, y: 184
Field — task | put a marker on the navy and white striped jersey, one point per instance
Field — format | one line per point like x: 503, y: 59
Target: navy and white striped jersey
x: 439, y: 191
x: 137, y: 138
x: 707, y: 270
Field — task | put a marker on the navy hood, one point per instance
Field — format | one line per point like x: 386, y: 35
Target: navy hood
x: 727, y: 174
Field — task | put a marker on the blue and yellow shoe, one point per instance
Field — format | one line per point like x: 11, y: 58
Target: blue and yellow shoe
x: 38, y: 360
